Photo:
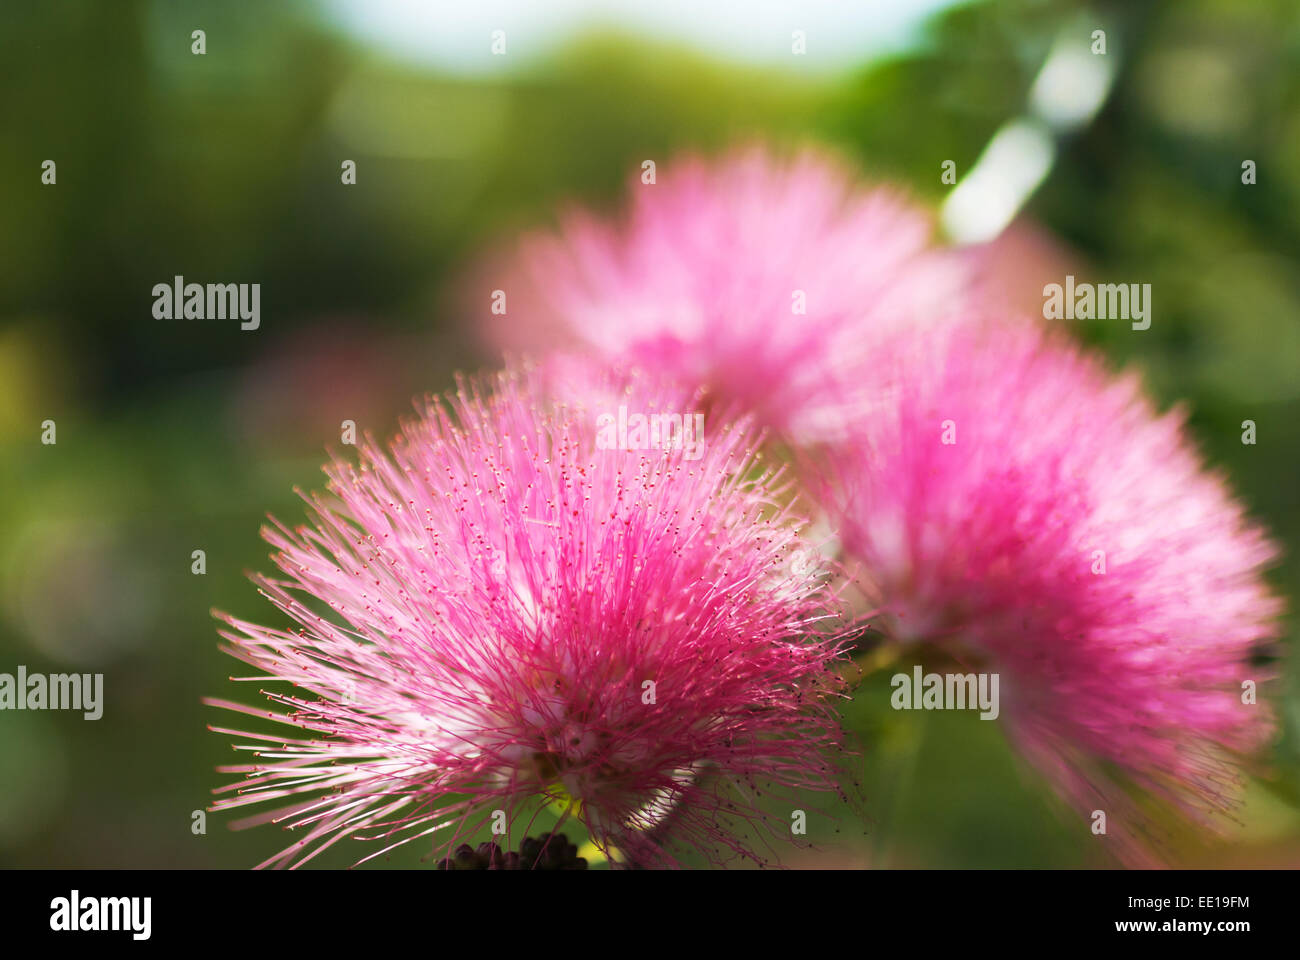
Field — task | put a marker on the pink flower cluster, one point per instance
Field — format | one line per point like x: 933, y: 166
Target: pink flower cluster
x: 498, y: 610
x: 769, y: 282
x: 508, y: 606
x: 1019, y: 508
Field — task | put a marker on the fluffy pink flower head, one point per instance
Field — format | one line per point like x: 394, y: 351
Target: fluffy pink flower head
x: 766, y: 278
x: 1017, y: 506
x: 503, y: 607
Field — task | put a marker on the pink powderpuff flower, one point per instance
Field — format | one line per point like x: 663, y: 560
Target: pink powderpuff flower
x: 500, y: 608
x: 766, y: 278
x: 1015, y: 505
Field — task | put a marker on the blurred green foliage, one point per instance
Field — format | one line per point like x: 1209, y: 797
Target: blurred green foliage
x: 181, y: 435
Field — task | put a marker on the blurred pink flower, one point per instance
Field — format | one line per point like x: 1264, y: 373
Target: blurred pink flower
x: 499, y: 609
x: 766, y: 279
x: 1014, y: 504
